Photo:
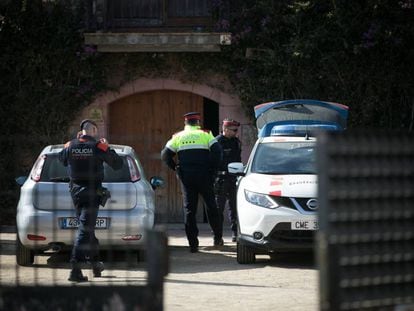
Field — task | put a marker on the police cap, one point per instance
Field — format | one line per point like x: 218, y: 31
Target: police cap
x: 82, y: 124
x: 230, y: 122
x: 192, y: 116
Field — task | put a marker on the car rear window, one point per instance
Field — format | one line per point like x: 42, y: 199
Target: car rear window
x: 54, y: 170
x: 285, y: 158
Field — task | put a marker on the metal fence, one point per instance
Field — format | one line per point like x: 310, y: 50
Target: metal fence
x: 42, y: 287
x: 366, y: 238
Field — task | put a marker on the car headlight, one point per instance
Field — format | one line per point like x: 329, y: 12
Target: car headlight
x: 259, y: 199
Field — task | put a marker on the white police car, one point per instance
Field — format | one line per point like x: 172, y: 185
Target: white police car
x: 277, y: 189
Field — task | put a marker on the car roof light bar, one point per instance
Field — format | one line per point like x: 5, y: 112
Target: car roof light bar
x: 301, y: 129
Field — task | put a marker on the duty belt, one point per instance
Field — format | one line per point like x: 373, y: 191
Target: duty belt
x: 221, y: 173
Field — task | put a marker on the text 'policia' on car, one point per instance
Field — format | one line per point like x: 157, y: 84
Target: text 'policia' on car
x: 277, y: 189
x: 46, y: 218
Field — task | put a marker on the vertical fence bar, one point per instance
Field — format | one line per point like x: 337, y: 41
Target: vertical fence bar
x: 157, y: 266
x: 365, y: 243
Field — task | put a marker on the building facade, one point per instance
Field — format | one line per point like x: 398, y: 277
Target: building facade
x: 145, y: 112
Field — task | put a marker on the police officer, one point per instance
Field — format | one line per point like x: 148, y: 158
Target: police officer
x: 84, y: 157
x: 225, y: 184
x: 199, y: 155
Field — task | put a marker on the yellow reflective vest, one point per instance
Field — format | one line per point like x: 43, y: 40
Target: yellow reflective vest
x: 192, y: 137
x: 197, y: 149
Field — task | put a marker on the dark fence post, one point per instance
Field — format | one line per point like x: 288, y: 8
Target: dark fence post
x: 97, y: 297
x: 366, y: 237
x: 157, y: 266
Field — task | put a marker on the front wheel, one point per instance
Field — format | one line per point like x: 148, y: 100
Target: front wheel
x: 24, y: 255
x: 245, y: 254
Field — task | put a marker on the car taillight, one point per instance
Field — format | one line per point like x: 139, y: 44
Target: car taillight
x: 34, y: 237
x: 37, y: 168
x: 135, y: 237
x: 133, y: 170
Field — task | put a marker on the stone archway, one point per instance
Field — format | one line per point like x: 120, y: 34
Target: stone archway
x: 229, y: 105
x: 140, y: 98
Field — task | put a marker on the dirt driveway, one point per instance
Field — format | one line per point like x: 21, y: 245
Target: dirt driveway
x: 208, y: 280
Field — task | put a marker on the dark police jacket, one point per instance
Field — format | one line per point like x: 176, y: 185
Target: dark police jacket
x: 84, y: 158
x: 231, y: 150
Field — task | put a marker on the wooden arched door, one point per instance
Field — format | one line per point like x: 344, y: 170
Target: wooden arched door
x: 145, y: 121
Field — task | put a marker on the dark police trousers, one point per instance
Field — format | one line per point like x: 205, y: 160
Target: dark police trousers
x: 86, y: 245
x: 192, y: 184
x: 225, y: 188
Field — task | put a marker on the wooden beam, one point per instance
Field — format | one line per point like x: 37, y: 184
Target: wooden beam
x: 158, y: 42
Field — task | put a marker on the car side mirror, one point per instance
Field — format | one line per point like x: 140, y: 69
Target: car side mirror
x: 157, y: 182
x: 236, y: 168
x: 21, y: 180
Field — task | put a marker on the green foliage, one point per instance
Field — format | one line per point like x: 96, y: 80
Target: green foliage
x: 47, y: 77
x: 353, y: 52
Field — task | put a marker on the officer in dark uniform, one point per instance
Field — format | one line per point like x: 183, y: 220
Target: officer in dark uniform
x: 84, y: 157
x: 199, y: 155
x: 225, y: 184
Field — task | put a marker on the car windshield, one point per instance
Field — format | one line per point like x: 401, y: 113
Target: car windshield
x: 284, y: 158
x: 54, y: 170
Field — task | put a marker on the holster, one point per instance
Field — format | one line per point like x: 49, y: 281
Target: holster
x: 104, y: 195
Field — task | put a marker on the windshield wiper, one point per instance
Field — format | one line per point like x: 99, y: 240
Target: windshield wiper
x: 61, y: 179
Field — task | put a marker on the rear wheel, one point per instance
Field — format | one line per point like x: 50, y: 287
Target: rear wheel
x: 245, y: 254
x: 24, y: 255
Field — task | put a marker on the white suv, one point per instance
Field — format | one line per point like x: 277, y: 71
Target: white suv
x: 277, y: 189
x: 276, y: 197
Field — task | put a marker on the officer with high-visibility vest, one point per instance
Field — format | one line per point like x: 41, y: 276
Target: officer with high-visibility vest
x: 199, y: 156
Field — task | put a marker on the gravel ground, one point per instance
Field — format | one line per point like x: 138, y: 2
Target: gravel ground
x: 208, y: 280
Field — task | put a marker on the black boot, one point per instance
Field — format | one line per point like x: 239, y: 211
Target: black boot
x: 97, y: 268
x: 218, y: 242
x: 76, y: 275
x: 234, y: 236
x: 194, y: 246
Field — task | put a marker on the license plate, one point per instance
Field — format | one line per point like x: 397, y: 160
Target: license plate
x: 304, y: 225
x: 73, y: 223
